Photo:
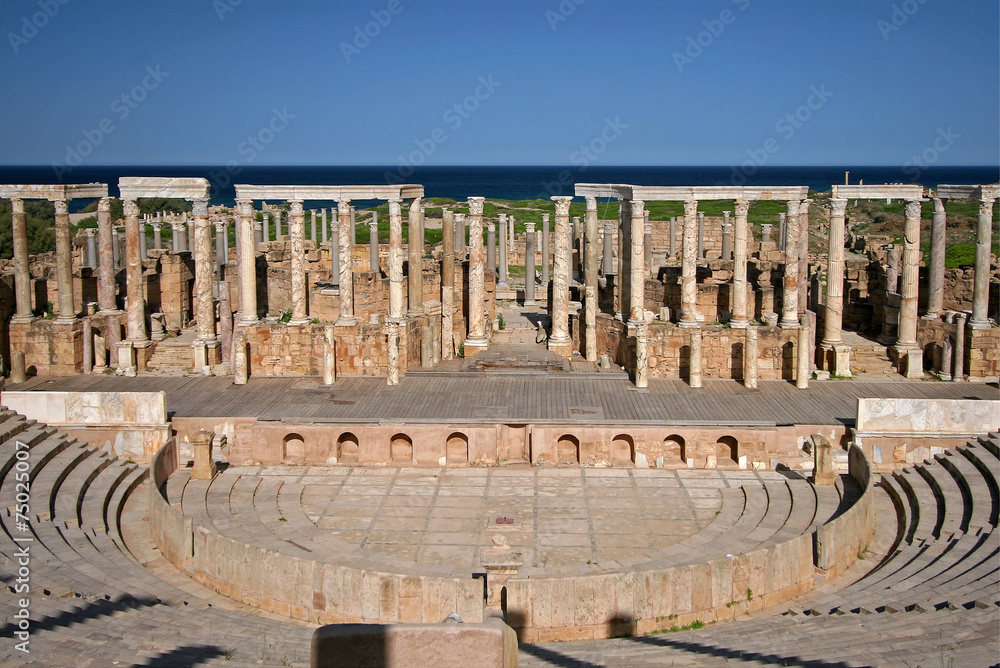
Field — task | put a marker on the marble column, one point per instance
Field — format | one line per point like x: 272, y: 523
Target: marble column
x: 246, y: 262
x: 392, y: 370
x: 136, y: 310
x: 143, y: 254
x: 373, y: 262
x: 790, y: 291
x: 322, y: 227
x: 906, y: 342
x: 297, y: 237
x: 225, y: 320
x: 637, y: 270
x: 158, y: 236
x: 22, y: 272
x: 727, y: 238
x: 334, y: 248
x: 460, y: 235
x: 395, y: 260
x: 608, y: 252
x: 477, y: 290
x: 116, y: 254
x: 740, y: 318
x: 750, y: 358
x: 545, y: 251
x: 959, y: 373
x: 647, y: 245
x: 354, y: 227
x: 221, y: 254
x: 529, y: 264
x: 447, y: 284
x: 576, y: 247
x: 491, y: 246
x: 590, y: 304
x: 782, y: 232
x: 559, y: 340
x: 241, y: 356
x: 258, y: 233
x: 88, y: 346
x: 947, y: 355
x: 105, y: 260
x: 673, y: 236
x: 415, y: 274
x: 64, y: 263
x: 803, y: 255
x: 204, y: 300
x: 935, y: 272
x: 91, y: 247
x: 329, y: 356
x: 802, y: 356
x: 346, y: 242
x: 312, y: 227
x: 641, y: 354
x: 265, y: 227
x: 689, y: 266
x: 175, y: 237
x: 502, y: 254
x: 981, y: 280
x: 695, y: 358
x: 836, y: 355
x: 701, y: 235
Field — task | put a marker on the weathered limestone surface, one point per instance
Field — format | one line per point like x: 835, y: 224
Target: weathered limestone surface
x: 559, y: 339
x: 476, y: 339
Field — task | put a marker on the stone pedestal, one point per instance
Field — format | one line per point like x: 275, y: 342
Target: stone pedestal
x: 824, y: 472
x: 126, y: 359
x: 204, y: 464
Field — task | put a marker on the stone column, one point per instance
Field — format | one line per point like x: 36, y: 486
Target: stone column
x: 225, y: 321
x: 608, y: 252
x: 637, y: 271
x: 373, y: 264
x: 346, y: 265
x: 959, y: 373
x: 277, y: 224
x: 529, y: 264
x: 642, y: 355
x: 502, y: 255
x: 116, y: 254
x: 334, y: 248
x: 64, y: 263
x: 935, y: 272
x: 175, y: 237
x: 392, y: 370
x: 157, y: 236
x: 836, y: 356
x: 460, y: 235
x: 246, y: 263
x: 624, y: 282
x: 91, y: 247
x: 447, y: 284
x: 803, y: 255
x: 204, y: 301
x: 727, y: 238
x: 312, y: 227
x: 944, y: 371
x: 221, y: 254
x: 647, y: 245
x: 241, y: 361
x: 750, y: 358
x: 265, y: 227
x: 701, y: 235
x: 415, y: 274
x: 559, y: 340
x: 22, y: 272
x: 790, y: 291
x: 695, y: 358
x: 802, y: 356
x: 782, y: 232
x: 590, y: 305
x: 354, y: 227
x: 329, y: 356
x: 890, y: 318
x: 297, y: 236
x: 491, y: 247
x: 741, y: 230
x: 136, y: 310
x: 105, y: 260
x: 906, y: 342
x: 981, y: 280
x: 477, y: 320
x: 576, y: 247
x: 322, y: 227
x: 258, y: 232
x: 689, y: 266
x: 395, y: 259
x: 765, y: 232
x: 143, y: 253
x: 88, y: 347
x: 673, y: 235
x: 545, y: 251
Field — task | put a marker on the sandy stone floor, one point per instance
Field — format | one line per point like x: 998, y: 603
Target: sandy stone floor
x: 561, y: 518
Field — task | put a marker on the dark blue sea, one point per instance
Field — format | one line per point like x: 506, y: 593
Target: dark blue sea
x: 515, y: 183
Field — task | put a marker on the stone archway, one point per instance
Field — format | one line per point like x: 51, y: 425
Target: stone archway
x: 348, y: 449
x: 457, y: 449
x: 293, y: 449
x: 568, y: 450
x: 622, y: 450
x: 401, y: 450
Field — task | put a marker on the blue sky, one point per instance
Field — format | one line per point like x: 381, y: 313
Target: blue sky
x: 499, y: 82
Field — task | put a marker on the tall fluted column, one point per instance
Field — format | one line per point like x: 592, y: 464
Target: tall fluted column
x: 836, y: 356
x: 297, y: 236
x: 395, y: 259
x: 105, y: 258
x: 477, y: 259
x: 415, y: 274
x: 502, y: 254
x: 64, y: 262
x: 447, y: 284
x: 545, y: 250
x: 637, y: 270
x: 373, y: 243
x: 906, y: 342
x: 529, y: 264
x: 346, y: 265
x: 136, y: 310
x: 790, y: 293
x: 590, y: 241
x: 22, y: 272
x: 608, y: 257
x: 803, y: 255
x: 204, y: 301
x: 559, y: 339
x: 740, y: 317
x: 935, y: 272
x: 981, y: 281
x: 689, y: 266
x: 246, y: 262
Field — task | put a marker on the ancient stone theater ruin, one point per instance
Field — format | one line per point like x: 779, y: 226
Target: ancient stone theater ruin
x: 626, y: 439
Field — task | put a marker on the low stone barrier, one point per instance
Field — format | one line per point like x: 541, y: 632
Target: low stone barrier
x: 840, y: 541
x: 172, y: 531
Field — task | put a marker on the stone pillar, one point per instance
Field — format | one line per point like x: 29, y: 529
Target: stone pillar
x: 782, y: 232
x: 136, y: 310
x: 959, y: 373
x: 225, y: 321
x: 64, y: 263
x: 157, y: 236
x: 727, y: 238
x: 334, y: 248
x: 906, y: 342
x: 750, y: 358
x: 204, y: 301
x: 559, y: 339
x: 277, y: 224
x: 447, y: 284
x: 201, y: 444
x: 802, y: 356
x: 637, y: 271
x: 529, y: 264
x: 116, y: 254
x: 373, y: 264
x: 258, y: 232
x: 803, y: 255
x: 329, y: 356
x: 241, y: 361
x: 22, y: 272
x: 689, y: 266
x: 701, y: 235
x: 392, y: 371
x: 246, y: 263
x: 765, y: 233
x: 935, y: 272
x: 91, y: 247
x: 740, y: 318
x: 824, y: 472
x: 834, y: 352
x: 460, y: 235
x: 608, y: 251
x: 221, y: 254
x: 590, y: 305
x: 346, y: 265
x: 415, y: 274
x: 673, y: 235
x: 576, y: 247
x: 624, y: 284
x: 647, y: 245
x: 695, y: 359
x: 477, y: 320
x: 88, y: 346
x: 892, y: 270
x: 105, y: 260
x: 265, y: 228
x: 395, y: 259
x: 545, y: 251
x: 491, y: 247
x: 354, y: 228
x: 502, y: 253
x: 322, y: 227
x: 790, y: 292
x: 312, y: 227
x: 18, y: 370
x: 947, y: 353
x: 177, y: 237
x: 981, y: 280
x: 297, y: 236
x: 641, y: 354
x: 143, y: 254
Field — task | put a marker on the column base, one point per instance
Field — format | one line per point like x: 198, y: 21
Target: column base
x: 530, y: 302
x: 561, y: 346
x: 909, y: 361
x: 931, y: 315
x: 346, y: 321
x: 789, y: 324
x: 475, y: 344
x: 739, y: 324
x: 980, y: 324
x: 689, y: 324
x: 67, y: 320
x: 299, y: 321
x: 22, y: 319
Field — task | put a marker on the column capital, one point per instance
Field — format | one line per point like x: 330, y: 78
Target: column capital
x: 793, y: 207
x: 545, y: 217
x: 939, y: 203
x: 62, y: 206
x: 838, y: 206
x: 647, y: 228
x: 591, y: 203
x: 395, y: 207
x: 343, y: 204
x: 476, y: 205
x: 562, y: 204
x: 912, y: 208
x: 726, y: 226
x: 609, y: 227
x: 638, y: 208
x: 529, y: 227
x: 130, y: 207
x: 296, y: 207
x: 460, y: 217
x: 690, y: 207
x: 220, y: 225
x: 244, y: 207
x: 156, y: 226
x: 742, y: 207
x: 503, y: 217
x: 90, y: 231
x: 373, y: 225
x: 986, y: 207
x: 726, y: 214
x: 16, y: 205
x: 199, y: 207
x: 491, y: 226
